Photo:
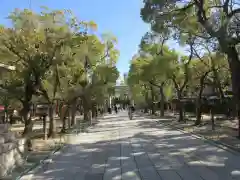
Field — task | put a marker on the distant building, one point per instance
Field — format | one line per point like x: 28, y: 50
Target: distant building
x: 121, y: 90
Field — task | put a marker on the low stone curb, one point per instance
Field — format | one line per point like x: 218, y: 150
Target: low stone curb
x: 219, y: 144
x: 37, y: 166
x: 216, y: 143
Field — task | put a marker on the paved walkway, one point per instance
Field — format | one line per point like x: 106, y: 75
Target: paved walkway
x: 139, y: 149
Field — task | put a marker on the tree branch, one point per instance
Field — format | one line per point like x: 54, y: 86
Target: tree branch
x: 175, y: 84
x: 11, y: 49
x: 225, y: 6
x: 235, y: 11
x: 44, y: 93
x: 202, y: 18
x: 154, y: 84
x: 191, y: 42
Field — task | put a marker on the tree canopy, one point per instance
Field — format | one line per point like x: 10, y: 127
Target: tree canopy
x: 57, y: 56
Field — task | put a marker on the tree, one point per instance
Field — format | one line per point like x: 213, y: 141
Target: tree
x: 94, y: 71
x: 180, y: 77
x: 162, y: 57
x: 197, y: 83
x: 137, y: 86
x: 32, y: 45
x: 214, y: 21
x: 150, y: 69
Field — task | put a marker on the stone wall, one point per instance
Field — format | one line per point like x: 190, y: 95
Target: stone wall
x: 11, y: 150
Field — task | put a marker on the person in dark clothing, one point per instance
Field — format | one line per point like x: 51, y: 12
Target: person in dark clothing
x: 116, y: 109
x: 132, y: 108
x: 109, y: 110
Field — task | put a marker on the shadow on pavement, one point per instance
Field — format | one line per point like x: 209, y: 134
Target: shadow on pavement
x: 143, y: 150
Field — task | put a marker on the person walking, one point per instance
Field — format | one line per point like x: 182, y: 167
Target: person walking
x: 116, y: 109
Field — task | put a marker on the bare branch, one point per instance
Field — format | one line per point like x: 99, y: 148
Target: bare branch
x: 15, y: 52
x: 154, y: 84
x: 191, y: 43
x: 225, y: 6
x: 202, y: 18
x: 235, y: 11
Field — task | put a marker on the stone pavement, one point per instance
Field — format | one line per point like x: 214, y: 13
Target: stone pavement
x: 140, y: 149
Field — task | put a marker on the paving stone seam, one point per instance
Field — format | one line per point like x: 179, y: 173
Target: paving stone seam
x: 219, y: 144
x: 189, y: 167
x: 206, y: 141
x: 90, y: 166
x: 207, y: 167
x: 155, y: 166
x: 106, y: 157
x: 119, y: 137
x: 195, y: 173
x: 185, y: 163
x: 209, y: 141
x: 161, y: 178
x: 197, y: 157
x: 105, y: 165
x: 40, y: 165
x: 134, y: 158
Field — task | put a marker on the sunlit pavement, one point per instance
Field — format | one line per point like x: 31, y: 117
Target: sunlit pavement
x: 140, y: 149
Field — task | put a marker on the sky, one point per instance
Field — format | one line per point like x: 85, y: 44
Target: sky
x: 121, y: 18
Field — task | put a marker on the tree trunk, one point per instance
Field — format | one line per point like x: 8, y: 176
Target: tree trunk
x: 234, y: 65
x: 145, y: 110
x: 212, y: 118
x: 94, y: 111
x: 64, y: 124
x: 26, y: 115
x: 52, y: 122
x: 63, y: 118
x: 44, y: 119
x: 87, y: 115
x: 27, y: 118
x: 152, y: 103
x: 162, y: 102
x: 87, y: 109
x: 69, y: 117
x: 217, y: 82
x: 199, y: 100
x: 146, y: 102
x: 73, y: 113
x: 180, y: 106
x: 218, y: 86
x: 198, y: 111
x: 28, y: 124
